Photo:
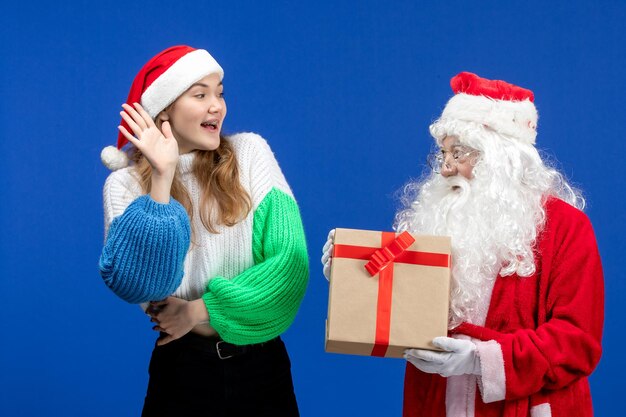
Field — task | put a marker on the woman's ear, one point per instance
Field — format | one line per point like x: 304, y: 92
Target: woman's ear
x: 163, y: 116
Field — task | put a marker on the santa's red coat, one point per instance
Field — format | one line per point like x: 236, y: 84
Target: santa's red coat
x: 541, y: 338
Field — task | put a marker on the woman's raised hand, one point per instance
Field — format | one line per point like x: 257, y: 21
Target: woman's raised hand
x: 158, y: 147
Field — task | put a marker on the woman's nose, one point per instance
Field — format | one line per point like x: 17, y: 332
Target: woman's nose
x: 215, y: 106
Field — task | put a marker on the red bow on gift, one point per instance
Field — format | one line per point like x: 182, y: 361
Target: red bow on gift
x: 384, y: 256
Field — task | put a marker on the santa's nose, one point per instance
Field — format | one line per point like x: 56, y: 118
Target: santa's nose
x: 448, y: 169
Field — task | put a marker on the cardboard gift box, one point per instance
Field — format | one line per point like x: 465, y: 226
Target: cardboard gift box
x: 388, y: 292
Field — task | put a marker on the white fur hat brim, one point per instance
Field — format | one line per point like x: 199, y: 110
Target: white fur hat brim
x: 516, y: 119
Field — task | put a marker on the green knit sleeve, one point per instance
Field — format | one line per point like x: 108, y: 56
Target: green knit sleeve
x: 261, y: 303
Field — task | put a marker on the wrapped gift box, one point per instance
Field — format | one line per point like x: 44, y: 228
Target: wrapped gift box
x: 388, y: 292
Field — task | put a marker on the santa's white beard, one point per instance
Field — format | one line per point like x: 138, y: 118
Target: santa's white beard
x: 493, y: 225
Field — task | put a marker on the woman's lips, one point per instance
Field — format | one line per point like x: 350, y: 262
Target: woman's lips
x: 210, y: 126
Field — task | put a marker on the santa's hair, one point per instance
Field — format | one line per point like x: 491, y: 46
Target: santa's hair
x: 520, y: 161
x: 514, y: 184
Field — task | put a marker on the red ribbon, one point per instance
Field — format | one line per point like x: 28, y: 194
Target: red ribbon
x: 381, y: 261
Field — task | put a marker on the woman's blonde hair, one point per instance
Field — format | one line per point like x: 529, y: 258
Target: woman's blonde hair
x: 217, y: 173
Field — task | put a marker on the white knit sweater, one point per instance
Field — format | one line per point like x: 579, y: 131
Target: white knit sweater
x: 228, y: 252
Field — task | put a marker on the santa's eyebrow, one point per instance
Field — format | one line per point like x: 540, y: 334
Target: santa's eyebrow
x: 454, y: 145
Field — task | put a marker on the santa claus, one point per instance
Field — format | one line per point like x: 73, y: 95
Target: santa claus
x: 527, y: 295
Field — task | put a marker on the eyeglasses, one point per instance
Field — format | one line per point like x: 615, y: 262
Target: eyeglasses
x: 459, y: 154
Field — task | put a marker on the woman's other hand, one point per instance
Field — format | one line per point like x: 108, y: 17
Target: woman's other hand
x: 176, y: 317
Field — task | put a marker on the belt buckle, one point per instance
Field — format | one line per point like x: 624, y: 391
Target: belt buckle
x: 219, y: 352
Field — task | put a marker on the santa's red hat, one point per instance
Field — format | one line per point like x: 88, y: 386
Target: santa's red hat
x: 158, y: 84
x: 497, y: 105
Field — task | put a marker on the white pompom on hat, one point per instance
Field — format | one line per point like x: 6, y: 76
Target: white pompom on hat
x: 114, y: 158
x: 495, y: 104
x: 158, y: 84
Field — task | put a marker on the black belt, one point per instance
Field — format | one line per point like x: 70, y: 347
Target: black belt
x: 219, y: 347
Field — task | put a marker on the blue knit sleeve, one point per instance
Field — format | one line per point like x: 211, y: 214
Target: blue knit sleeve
x: 143, y: 256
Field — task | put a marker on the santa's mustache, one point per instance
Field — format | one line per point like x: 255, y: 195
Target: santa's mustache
x: 453, y: 193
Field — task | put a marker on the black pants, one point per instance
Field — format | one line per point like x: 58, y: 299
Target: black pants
x: 187, y: 378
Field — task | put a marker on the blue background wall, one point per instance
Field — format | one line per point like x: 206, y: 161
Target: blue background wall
x: 344, y: 92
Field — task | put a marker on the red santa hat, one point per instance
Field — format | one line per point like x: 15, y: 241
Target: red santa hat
x: 158, y: 84
x: 498, y: 105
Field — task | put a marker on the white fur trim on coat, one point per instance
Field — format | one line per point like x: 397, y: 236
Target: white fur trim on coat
x: 492, y: 381
x: 461, y: 395
x: 177, y: 79
x: 517, y: 119
x: 541, y: 410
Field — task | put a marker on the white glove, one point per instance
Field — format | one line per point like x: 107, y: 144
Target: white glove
x: 461, y: 358
x: 327, y: 252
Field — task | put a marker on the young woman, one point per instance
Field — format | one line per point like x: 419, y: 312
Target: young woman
x: 205, y: 227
